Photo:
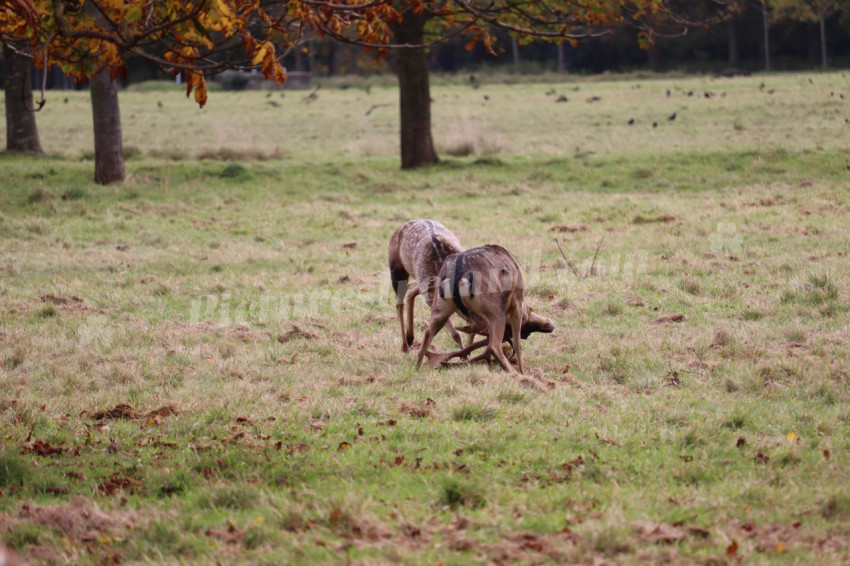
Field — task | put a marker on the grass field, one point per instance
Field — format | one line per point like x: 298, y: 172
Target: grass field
x: 203, y: 365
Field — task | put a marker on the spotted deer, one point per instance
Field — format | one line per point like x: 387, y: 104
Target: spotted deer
x: 418, y: 248
x: 485, y: 286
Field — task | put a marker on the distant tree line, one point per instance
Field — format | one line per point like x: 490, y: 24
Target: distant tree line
x: 794, y: 43
x: 105, y: 42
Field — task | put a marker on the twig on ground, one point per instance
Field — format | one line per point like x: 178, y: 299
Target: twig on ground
x: 569, y: 263
x: 593, y: 263
x: 590, y: 270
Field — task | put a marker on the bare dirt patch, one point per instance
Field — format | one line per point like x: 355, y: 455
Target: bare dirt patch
x: 126, y: 411
x: 72, y: 303
x: 418, y: 411
x: 658, y: 533
x: 659, y: 218
x: 296, y: 332
x: 571, y: 228
x: 80, y: 521
x: 667, y: 318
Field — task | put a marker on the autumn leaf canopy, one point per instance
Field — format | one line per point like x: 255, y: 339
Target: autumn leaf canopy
x: 85, y: 37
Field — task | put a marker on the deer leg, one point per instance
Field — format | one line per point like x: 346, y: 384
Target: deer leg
x: 487, y: 355
x: 496, y: 330
x: 441, y: 310
x: 515, y: 319
x: 400, y: 310
x: 409, y: 296
x: 437, y: 358
x: 455, y: 334
x: 399, y: 281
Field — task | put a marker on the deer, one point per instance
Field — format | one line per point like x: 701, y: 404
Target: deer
x: 485, y: 286
x: 418, y: 248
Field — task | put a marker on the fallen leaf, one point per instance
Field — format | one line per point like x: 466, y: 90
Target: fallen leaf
x: 732, y: 549
x: 793, y: 438
x: 607, y: 441
x: 41, y: 448
x: 659, y: 533
x: 344, y: 445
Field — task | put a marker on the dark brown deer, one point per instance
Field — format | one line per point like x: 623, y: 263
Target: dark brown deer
x: 418, y: 248
x: 485, y: 286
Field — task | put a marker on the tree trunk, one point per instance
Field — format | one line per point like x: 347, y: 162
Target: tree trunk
x: 515, y: 53
x: 417, y: 144
x: 655, y: 58
x: 734, y: 56
x: 108, y: 147
x: 822, y: 18
x: 21, y: 129
x: 334, y: 58
x: 765, y: 16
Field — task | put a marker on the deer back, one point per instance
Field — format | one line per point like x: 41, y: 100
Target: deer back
x: 487, y: 270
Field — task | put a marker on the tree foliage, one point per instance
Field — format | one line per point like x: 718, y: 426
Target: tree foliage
x: 206, y: 36
x: 803, y: 10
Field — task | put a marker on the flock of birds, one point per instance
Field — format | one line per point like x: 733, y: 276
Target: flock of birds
x: 689, y: 93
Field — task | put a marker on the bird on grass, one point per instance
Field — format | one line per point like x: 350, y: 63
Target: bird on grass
x: 672, y: 116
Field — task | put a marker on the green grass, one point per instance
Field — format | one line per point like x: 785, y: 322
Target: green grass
x: 238, y: 278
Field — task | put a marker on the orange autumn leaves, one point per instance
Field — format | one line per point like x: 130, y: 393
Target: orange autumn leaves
x: 200, y: 37
x: 84, y: 38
